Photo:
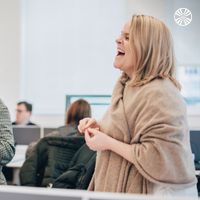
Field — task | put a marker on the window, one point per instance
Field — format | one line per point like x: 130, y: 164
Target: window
x: 189, y: 77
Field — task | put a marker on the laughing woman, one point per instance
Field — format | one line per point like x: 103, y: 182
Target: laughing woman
x: 143, y: 139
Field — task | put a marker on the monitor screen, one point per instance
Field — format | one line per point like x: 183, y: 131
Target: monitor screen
x: 99, y: 103
x: 195, y: 144
x: 24, y: 135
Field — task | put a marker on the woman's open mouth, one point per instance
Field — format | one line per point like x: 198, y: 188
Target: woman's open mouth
x: 120, y: 52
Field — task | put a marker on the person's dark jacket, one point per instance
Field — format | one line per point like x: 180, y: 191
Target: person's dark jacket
x: 63, y: 131
x: 49, y: 159
x: 28, y: 124
x: 79, y: 172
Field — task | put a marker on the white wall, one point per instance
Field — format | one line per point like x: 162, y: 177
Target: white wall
x: 16, y: 75
x: 154, y: 8
x: 68, y: 48
x: 10, y: 52
x: 186, y: 39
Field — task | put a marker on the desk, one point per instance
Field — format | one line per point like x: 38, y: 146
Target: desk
x: 35, y: 193
x: 197, y: 172
x: 17, y: 162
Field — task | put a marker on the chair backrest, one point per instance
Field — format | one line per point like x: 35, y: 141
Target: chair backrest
x: 49, y: 159
x: 80, y: 170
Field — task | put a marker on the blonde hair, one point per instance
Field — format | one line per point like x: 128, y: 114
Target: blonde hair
x: 152, y: 46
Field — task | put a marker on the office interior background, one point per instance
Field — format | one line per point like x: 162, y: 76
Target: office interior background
x: 53, y: 48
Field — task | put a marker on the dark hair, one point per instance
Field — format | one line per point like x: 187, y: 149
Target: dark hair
x: 77, y: 111
x: 28, y: 106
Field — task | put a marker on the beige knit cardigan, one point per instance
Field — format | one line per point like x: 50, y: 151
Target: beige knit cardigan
x: 152, y: 119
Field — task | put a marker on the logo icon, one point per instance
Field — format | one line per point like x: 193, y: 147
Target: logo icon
x: 183, y: 16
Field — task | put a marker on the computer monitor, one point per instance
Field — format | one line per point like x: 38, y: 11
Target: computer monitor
x: 195, y: 144
x: 24, y: 135
x: 99, y: 103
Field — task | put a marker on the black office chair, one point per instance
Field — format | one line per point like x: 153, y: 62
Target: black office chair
x: 49, y: 159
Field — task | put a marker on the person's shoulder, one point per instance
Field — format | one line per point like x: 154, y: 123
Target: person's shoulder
x: 164, y: 93
x: 31, y: 124
x: 68, y: 130
x: 160, y: 90
x: 4, y: 110
x: 2, y: 105
x: 1, y: 101
x: 160, y: 87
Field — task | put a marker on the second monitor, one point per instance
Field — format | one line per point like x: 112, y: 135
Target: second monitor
x: 24, y: 135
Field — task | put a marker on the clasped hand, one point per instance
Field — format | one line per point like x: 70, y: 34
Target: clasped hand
x: 95, y: 139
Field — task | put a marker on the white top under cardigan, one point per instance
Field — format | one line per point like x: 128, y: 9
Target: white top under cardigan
x: 168, y: 191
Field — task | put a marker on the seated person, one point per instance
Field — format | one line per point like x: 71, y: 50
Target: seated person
x: 77, y: 110
x: 51, y: 155
x: 23, y: 114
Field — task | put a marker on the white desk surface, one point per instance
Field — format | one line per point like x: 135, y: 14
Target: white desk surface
x: 197, y: 172
x: 36, y: 193
x: 19, y: 157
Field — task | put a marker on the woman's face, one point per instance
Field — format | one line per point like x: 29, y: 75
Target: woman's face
x: 124, y: 59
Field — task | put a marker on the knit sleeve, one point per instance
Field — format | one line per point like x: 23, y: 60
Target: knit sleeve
x: 7, y: 148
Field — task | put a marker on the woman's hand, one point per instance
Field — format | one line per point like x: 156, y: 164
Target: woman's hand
x: 97, y: 140
x: 87, y: 123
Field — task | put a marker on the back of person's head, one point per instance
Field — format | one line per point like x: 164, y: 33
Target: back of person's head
x: 152, y: 48
x: 23, y: 112
x: 77, y: 111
